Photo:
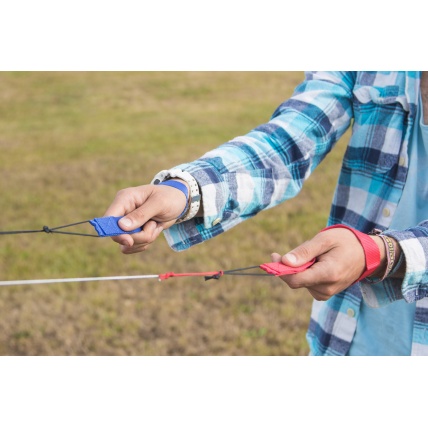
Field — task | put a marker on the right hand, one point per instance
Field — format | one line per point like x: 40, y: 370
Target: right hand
x: 154, y: 208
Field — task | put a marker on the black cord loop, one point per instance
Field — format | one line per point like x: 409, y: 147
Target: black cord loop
x: 47, y: 229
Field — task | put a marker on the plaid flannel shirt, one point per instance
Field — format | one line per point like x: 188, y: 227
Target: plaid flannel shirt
x: 270, y: 164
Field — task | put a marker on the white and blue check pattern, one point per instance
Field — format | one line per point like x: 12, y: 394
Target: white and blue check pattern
x: 270, y: 164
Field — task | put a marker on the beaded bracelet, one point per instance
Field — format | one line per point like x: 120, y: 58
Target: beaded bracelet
x: 390, y: 254
x: 398, y: 264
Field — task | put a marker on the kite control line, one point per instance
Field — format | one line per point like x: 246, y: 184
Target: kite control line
x: 109, y: 226
x: 271, y: 269
x: 104, y: 226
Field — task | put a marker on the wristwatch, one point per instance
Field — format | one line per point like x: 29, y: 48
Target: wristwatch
x: 195, y: 195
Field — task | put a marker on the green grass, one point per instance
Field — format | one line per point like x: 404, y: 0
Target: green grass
x: 69, y: 142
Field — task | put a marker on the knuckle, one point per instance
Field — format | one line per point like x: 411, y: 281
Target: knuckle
x: 320, y: 297
x: 292, y: 283
x: 335, y: 277
x: 122, y: 193
x: 135, y: 216
x: 325, y: 240
x: 145, y: 248
x: 329, y: 293
x: 151, y: 239
x: 305, y: 250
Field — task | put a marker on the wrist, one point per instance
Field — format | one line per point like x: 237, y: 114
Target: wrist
x: 192, y: 187
x: 370, y: 249
x: 391, y: 257
x: 182, y: 188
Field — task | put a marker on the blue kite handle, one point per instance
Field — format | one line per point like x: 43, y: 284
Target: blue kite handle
x: 108, y: 226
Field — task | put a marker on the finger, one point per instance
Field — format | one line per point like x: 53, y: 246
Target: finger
x: 126, y: 200
x: 318, y: 274
x: 295, y: 282
x: 140, y: 216
x: 149, y: 234
x: 150, y: 231
x: 275, y: 258
x: 134, y: 249
x: 134, y: 205
x: 306, y: 251
x: 130, y: 240
x: 125, y: 240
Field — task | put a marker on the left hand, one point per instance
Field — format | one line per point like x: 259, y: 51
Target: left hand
x: 154, y: 208
x: 340, y: 262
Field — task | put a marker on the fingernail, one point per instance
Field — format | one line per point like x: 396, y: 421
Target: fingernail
x: 126, y: 222
x: 291, y: 258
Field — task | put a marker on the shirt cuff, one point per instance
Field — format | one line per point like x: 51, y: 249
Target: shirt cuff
x: 217, y: 208
x: 414, y: 285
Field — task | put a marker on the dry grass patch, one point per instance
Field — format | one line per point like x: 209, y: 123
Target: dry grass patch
x: 69, y: 141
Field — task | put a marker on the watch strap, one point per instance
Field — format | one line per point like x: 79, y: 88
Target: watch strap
x: 194, y: 197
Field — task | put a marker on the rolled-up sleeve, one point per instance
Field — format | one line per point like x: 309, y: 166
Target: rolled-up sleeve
x: 268, y: 165
x: 414, y: 285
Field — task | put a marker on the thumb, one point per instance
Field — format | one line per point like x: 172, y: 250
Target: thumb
x: 304, y: 253
x: 127, y: 223
x: 139, y: 216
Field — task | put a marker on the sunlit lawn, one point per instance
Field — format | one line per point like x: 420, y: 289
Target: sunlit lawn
x: 68, y: 143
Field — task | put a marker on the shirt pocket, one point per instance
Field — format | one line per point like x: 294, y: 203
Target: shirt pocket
x: 380, y: 122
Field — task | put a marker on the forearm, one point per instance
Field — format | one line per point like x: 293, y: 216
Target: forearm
x: 270, y: 164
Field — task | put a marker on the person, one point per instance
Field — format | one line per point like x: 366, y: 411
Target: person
x: 383, y: 186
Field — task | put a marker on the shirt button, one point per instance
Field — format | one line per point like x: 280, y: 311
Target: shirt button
x: 350, y: 312
x: 216, y: 221
x: 386, y: 212
x: 402, y: 161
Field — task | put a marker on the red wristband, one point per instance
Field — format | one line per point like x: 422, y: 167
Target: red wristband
x: 371, y: 250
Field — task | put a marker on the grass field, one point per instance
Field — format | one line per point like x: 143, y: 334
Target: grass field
x: 68, y: 143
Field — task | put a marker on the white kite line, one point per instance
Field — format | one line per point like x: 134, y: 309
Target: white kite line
x: 55, y: 281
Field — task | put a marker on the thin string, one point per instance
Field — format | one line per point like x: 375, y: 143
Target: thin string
x: 240, y: 273
x: 245, y: 268
x: 237, y: 272
x: 47, y: 229
x: 249, y: 274
x: 160, y: 277
x: 69, y: 225
x: 61, y: 280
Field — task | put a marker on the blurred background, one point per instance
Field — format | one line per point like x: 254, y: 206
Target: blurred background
x: 68, y: 142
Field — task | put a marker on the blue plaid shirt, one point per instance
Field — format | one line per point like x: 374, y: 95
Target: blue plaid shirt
x: 270, y: 164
